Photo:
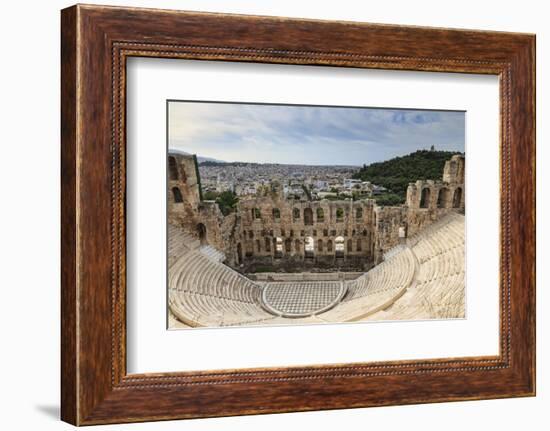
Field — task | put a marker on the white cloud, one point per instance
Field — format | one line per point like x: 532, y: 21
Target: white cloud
x: 309, y: 135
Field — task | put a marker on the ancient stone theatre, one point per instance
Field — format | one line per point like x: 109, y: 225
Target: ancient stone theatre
x: 276, y: 261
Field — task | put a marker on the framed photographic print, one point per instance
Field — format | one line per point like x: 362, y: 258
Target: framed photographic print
x: 322, y: 214
x: 291, y: 231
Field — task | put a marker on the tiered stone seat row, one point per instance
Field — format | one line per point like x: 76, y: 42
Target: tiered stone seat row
x: 204, y: 292
x: 423, y: 280
x: 179, y: 242
x: 393, y: 273
x: 439, y: 291
x: 212, y: 253
x: 375, y: 290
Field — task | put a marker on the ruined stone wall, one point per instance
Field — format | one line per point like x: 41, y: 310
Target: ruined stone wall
x: 427, y: 201
x: 212, y: 219
x: 387, y: 222
x: 272, y: 233
x: 183, y: 196
x: 444, y: 194
x: 185, y: 207
x: 323, y: 224
x: 454, y: 170
x: 435, y: 194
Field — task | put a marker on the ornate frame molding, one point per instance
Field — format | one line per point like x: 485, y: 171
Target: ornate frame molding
x: 96, y: 41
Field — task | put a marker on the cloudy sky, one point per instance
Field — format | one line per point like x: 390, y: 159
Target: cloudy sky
x: 310, y: 135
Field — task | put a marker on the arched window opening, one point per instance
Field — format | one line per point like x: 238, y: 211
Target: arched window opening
x: 288, y: 245
x: 320, y: 244
x: 178, y: 198
x: 296, y: 214
x: 201, y: 231
x: 359, y: 213
x: 308, y: 216
x: 278, y: 244
x: 297, y: 246
x: 309, y: 248
x: 239, y: 254
x: 339, y: 246
x: 329, y: 245
x: 443, y: 198
x: 425, y: 198
x: 339, y: 214
x: 276, y: 214
x: 359, y: 245
x: 350, y: 245
x: 173, y: 168
x: 258, y: 246
x: 267, y: 244
x: 320, y: 215
x: 457, y: 198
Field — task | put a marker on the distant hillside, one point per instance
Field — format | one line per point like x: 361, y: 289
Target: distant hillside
x: 214, y: 162
x: 200, y: 159
x: 396, y: 174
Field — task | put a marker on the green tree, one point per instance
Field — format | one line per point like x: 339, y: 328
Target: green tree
x: 396, y: 174
x: 388, y: 199
x: 227, y: 201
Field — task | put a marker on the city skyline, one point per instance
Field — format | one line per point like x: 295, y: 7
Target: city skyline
x: 309, y: 135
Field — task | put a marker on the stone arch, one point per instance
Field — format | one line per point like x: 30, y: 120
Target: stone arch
x: 425, y: 197
x: 178, y: 198
x: 288, y: 246
x: 457, y: 197
x: 308, y: 216
x: 173, y: 168
x: 278, y: 246
x: 201, y: 231
x: 339, y: 214
x: 443, y: 197
x: 309, y: 247
x: 320, y: 214
x: 239, y: 254
x: 339, y: 246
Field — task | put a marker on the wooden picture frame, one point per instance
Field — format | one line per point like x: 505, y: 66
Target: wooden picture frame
x: 96, y: 41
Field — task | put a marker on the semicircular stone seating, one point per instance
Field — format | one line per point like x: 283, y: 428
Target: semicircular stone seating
x: 439, y: 288
x: 422, y: 280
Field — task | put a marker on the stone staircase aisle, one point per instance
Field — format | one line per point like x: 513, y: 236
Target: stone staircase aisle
x: 212, y: 253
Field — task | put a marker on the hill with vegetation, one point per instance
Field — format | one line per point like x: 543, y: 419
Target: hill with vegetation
x: 396, y: 174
